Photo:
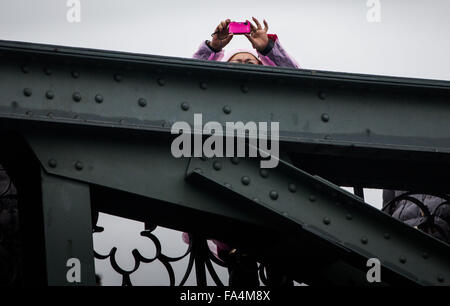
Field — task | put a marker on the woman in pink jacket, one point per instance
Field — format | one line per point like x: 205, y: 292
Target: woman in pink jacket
x: 266, y: 51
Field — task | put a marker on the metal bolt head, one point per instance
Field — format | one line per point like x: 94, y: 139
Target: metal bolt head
x: 235, y: 160
x: 79, y: 166
x: 227, y: 109
x: 402, y: 259
x: 245, y: 180
x: 264, y: 173
x: 364, y: 240
x: 142, y: 102
x: 440, y: 278
x: 292, y: 188
x: 387, y: 236
x: 321, y: 95
x: 47, y: 71
x: 312, y: 198
x: 25, y: 69
x: 325, y: 117
x: 203, y: 85
x: 161, y: 81
x: 118, y: 77
x: 185, y: 106
x: 76, y: 96
x: 98, y: 98
x: 326, y: 221
x: 273, y: 195
x: 27, y: 92
x: 49, y: 94
x: 75, y: 74
x: 217, y: 165
x: 349, y: 216
x: 244, y: 88
x: 52, y: 163
x: 425, y: 255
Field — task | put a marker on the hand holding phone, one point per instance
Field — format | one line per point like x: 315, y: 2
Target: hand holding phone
x: 221, y: 36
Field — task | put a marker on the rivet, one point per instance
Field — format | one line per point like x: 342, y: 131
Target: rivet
x: 312, y: 198
x: 76, y: 97
x: 264, y: 173
x: 203, y: 85
x: 118, y: 77
x: 321, y: 95
x: 402, y: 259
x: 142, y: 102
x: 440, y: 278
x: 326, y: 221
x: 255, y: 200
x: 364, y: 240
x: 235, y: 160
x: 14, y: 104
x: 227, y: 109
x: 49, y: 94
x: 425, y: 255
x: 47, y: 71
x: 387, y: 236
x: 75, y: 74
x: 273, y: 195
x: 325, y: 117
x: 217, y: 165
x: 161, y: 81
x: 244, y: 88
x: 25, y: 69
x: 98, y: 98
x: 245, y: 180
x: 292, y: 188
x: 27, y: 92
x: 52, y: 163
x: 349, y: 216
x: 185, y: 106
x: 79, y: 165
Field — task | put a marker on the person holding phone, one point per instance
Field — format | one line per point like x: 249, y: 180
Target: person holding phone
x: 266, y: 51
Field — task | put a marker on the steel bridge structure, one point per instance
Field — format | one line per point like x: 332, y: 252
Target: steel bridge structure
x: 86, y: 131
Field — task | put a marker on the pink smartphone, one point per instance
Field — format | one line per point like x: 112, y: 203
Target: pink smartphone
x: 239, y: 27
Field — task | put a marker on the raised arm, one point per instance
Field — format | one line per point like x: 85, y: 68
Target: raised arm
x: 213, y: 50
x: 268, y: 46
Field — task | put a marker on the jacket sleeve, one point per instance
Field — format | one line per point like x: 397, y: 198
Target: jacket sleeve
x: 275, y: 55
x: 204, y: 52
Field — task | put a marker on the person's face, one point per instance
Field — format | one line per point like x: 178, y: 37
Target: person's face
x: 244, y: 58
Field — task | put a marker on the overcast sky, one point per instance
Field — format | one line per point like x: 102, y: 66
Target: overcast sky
x: 411, y: 40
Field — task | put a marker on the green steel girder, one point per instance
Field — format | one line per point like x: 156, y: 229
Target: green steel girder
x: 322, y: 208
x: 100, y: 120
x: 142, y: 165
x: 371, y: 118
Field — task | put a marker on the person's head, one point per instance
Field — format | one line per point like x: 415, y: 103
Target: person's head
x: 244, y: 58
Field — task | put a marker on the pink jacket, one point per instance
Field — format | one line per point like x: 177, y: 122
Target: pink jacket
x: 273, y: 55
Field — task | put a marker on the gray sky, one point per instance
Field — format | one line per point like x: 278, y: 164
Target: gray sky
x: 411, y: 40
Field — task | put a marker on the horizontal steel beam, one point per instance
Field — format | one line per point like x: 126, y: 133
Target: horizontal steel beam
x: 83, y: 86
